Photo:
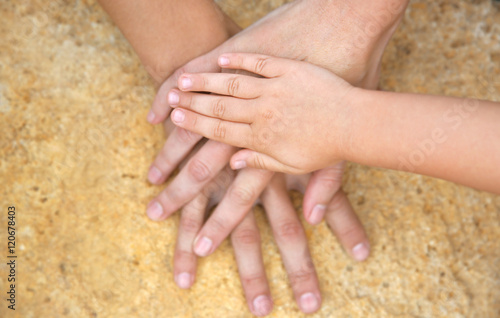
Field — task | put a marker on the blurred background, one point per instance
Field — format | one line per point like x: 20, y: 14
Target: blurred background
x: 75, y: 149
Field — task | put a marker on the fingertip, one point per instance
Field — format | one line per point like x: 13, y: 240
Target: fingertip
x: 173, y: 97
x: 316, y: 215
x: 155, y: 211
x: 262, y: 305
x: 184, y: 280
x: 309, y: 303
x: 151, y: 117
x: 185, y: 82
x: 178, y: 116
x: 154, y: 175
x: 361, y: 251
x: 224, y: 60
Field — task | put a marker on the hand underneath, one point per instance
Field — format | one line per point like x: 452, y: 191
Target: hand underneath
x: 296, y: 118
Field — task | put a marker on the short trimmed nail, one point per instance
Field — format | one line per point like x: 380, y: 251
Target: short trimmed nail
x: 186, y: 82
x: 240, y: 164
x: 183, y: 280
x: 178, y: 116
x: 223, y: 61
x: 309, y: 303
x: 155, y: 211
x: 151, y: 116
x: 317, y: 214
x: 203, y: 246
x: 262, y: 305
x: 154, y: 175
x: 173, y: 98
x: 360, y: 252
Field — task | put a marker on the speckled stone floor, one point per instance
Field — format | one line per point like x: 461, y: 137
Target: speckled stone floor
x: 75, y: 149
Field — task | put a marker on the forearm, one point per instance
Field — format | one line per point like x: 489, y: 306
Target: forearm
x: 166, y: 34
x: 449, y: 138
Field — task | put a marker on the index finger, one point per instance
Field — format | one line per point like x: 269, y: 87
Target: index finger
x: 264, y: 65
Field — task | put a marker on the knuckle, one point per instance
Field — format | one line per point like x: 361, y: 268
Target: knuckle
x: 331, y: 182
x: 338, y: 203
x: 242, y: 196
x: 246, y: 237
x: 219, y: 108
x: 349, y: 232
x: 218, y: 225
x: 220, y: 130
x: 186, y: 136
x: 233, y: 86
x: 189, y: 224
x: 199, y: 170
x: 289, y: 230
x: 300, y: 276
x: 252, y: 280
x: 184, y: 256
x: 260, y: 65
x: 259, y: 163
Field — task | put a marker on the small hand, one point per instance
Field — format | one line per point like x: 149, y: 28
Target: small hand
x: 296, y: 119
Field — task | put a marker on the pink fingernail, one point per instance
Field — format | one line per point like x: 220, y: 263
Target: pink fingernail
x: 262, y: 305
x: 155, y: 211
x: 203, y: 246
x: 317, y: 214
x: 360, y: 252
x: 154, y: 175
x: 151, y: 116
x: 178, y: 116
x: 173, y: 98
x: 240, y: 164
x: 309, y: 303
x: 183, y: 280
x: 186, y: 82
x: 223, y: 61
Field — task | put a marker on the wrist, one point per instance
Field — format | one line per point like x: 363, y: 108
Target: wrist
x: 354, y: 124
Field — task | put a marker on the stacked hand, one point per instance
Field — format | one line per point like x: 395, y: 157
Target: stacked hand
x: 322, y: 33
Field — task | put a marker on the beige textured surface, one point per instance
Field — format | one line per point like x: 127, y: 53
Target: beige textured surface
x: 75, y: 148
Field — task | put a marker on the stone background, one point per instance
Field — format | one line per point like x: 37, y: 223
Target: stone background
x: 75, y: 149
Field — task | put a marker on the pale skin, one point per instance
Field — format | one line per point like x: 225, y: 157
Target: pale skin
x: 438, y: 136
x: 162, y: 33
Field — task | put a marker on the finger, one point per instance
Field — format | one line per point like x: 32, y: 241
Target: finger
x: 235, y: 134
x: 160, y: 108
x: 178, y: 145
x: 246, y: 244
x: 263, y: 65
x: 346, y: 225
x: 190, y: 223
x: 320, y: 190
x: 237, y: 202
x: 216, y: 106
x: 292, y: 243
x: 236, y: 85
x: 249, y: 158
x: 198, y: 172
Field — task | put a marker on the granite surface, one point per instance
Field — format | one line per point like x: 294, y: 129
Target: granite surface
x: 75, y: 149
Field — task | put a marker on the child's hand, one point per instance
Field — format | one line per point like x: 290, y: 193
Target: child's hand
x: 296, y: 118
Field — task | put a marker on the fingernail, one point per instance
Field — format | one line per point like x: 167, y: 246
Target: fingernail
x: 183, y: 280
x: 317, y: 214
x: 178, y: 116
x: 223, y: 61
x: 151, y: 116
x: 360, y: 252
x: 262, y: 305
x: 240, y: 164
x: 186, y: 82
x: 309, y: 303
x: 155, y: 211
x: 173, y: 98
x: 203, y: 246
x: 154, y: 175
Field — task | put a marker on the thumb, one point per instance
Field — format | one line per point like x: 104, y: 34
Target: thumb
x: 249, y: 158
x: 161, y: 108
